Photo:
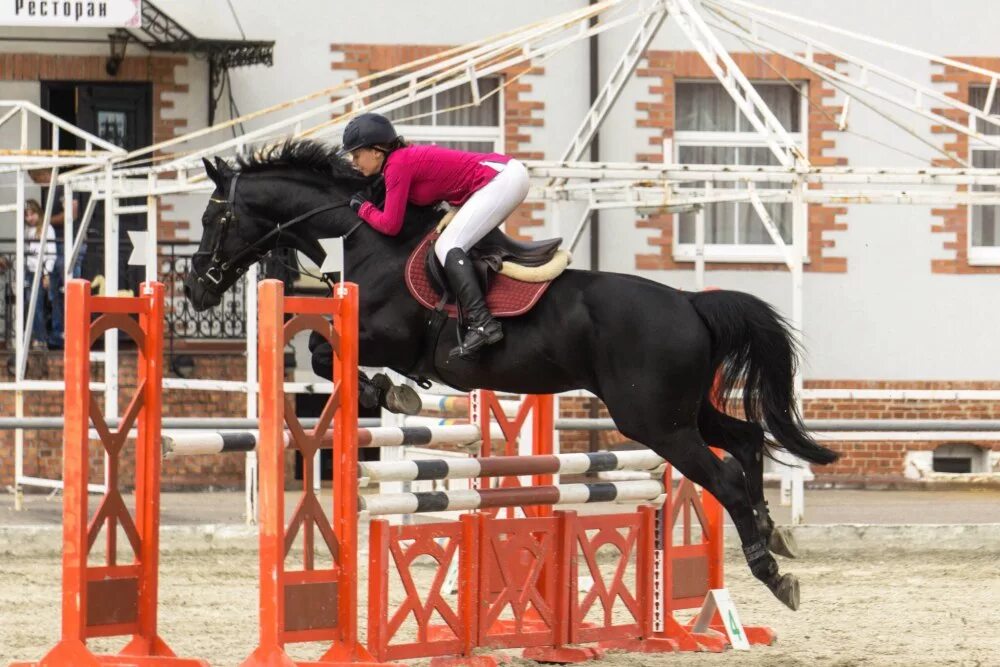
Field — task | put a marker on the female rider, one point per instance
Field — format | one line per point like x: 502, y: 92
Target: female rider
x: 487, y: 186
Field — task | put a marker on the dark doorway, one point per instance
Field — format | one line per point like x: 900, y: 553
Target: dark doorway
x: 122, y: 114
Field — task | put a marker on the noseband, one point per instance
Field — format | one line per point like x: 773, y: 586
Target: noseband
x: 212, y: 278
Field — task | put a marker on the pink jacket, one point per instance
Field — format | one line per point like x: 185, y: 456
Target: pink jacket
x: 425, y: 175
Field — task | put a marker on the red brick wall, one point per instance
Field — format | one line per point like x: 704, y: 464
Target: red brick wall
x: 954, y: 226
x: 858, y: 459
x: 886, y: 458
x: 43, y: 449
x: 882, y: 460
x: 160, y: 71
x: 520, y: 113
x: 664, y: 68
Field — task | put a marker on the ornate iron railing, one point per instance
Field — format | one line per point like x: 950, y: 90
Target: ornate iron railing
x: 227, y: 321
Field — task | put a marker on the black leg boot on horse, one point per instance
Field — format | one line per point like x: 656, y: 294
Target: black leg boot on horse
x: 482, y: 329
x: 745, y: 442
x: 376, y: 392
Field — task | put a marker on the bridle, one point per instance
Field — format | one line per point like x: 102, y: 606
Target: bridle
x: 213, y: 276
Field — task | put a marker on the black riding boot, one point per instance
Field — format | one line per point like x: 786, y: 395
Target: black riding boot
x: 482, y: 329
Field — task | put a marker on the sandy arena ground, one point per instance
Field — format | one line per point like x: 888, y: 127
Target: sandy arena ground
x: 862, y: 604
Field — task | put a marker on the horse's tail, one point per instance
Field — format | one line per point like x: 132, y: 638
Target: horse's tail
x: 754, y: 347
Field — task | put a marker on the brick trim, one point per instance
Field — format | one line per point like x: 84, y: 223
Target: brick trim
x: 954, y: 225
x: 160, y: 71
x: 864, y: 460
x: 664, y: 68
x: 521, y: 114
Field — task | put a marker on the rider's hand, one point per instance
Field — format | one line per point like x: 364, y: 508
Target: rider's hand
x: 376, y: 192
x: 358, y: 199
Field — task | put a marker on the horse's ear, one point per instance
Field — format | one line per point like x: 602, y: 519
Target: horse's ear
x: 212, y: 172
x: 223, y: 167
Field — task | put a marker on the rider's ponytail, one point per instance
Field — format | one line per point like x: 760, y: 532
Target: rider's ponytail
x: 394, y: 145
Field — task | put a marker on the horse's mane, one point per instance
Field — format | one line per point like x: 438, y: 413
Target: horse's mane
x: 304, y: 154
x: 322, y: 159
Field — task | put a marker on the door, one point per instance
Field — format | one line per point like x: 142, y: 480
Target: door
x: 122, y: 115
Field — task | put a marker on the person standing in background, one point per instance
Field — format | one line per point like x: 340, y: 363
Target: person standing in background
x: 56, y: 281
x: 37, y: 259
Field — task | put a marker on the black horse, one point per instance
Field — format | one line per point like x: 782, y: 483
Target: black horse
x: 650, y: 352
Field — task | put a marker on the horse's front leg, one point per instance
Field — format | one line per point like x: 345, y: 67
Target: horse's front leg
x: 377, y: 391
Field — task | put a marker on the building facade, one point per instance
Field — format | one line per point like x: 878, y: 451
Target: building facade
x: 896, y: 297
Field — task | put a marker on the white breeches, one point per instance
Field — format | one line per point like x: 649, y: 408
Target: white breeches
x: 486, y: 209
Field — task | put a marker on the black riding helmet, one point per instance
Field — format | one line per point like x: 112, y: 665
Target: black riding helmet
x: 367, y: 129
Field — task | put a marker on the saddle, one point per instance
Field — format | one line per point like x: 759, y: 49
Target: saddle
x: 513, y: 274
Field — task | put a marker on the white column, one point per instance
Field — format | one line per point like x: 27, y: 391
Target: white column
x: 68, y: 221
x: 251, y: 481
x: 19, y: 343
x: 699, y: 242
x: 111, y: 289
x: 152, y: 230
x: 800, y: 235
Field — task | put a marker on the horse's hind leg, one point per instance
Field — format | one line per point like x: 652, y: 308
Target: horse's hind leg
x: 745, y: 442
x: 682, y: 446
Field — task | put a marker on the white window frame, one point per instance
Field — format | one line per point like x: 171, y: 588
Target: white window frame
x: 979, y: 255
x: 435, y: 133
x: 760, y: 253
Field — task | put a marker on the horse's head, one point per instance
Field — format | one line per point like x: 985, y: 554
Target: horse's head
x: 248, y: 217
x: 224, y: 239
x: 290, y: 195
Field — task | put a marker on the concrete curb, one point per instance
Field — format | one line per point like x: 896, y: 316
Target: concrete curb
x: 46, y: 539
x: 915, y: 536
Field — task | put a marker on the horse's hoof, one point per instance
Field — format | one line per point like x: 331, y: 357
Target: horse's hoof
x: 782, y: 542
x: 403, y: 400
x: 786, y: 589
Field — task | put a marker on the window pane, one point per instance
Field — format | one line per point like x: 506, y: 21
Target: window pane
x: 719, y: 218
x: 707, y: 107
x: 752, y: 230
x: 422, y: 112
x: 415, y: 113
x: 986, y: 226
x: 487, y: 113
x: 977, y: 98
x: 760, y: 156
x: 704, y: 107
x: 719, y: 224
x: 783, y: 101
x: 471, y: 146
x: 706, y: 155
x: 986, y: 219
x: 112, y: 126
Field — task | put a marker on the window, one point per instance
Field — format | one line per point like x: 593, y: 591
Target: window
x: 984, y: 221
x: 961, y: 458
x: 712, y: 130
x: 437, y: 119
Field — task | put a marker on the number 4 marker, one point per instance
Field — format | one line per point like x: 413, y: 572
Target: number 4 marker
x: 718, y: 600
